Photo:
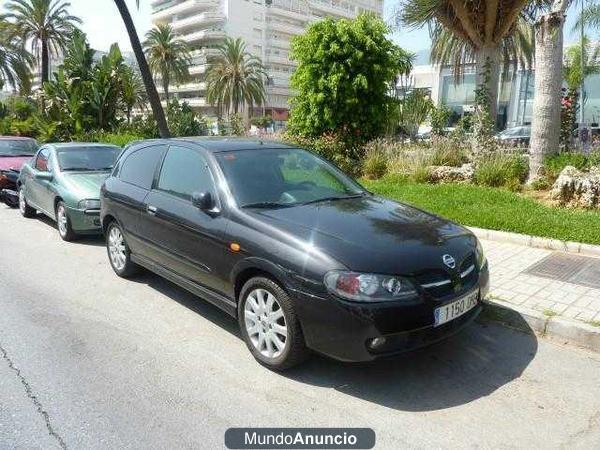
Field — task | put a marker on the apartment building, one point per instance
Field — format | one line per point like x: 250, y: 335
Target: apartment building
x: 267, y: 26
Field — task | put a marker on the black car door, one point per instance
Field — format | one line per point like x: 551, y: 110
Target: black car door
x: 132, y: 183
x: 185, y: 239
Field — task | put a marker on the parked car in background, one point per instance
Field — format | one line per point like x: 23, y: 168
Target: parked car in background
x: 516, y: 136
x: 296, y: 250
x: 14, y: 151
x: 63, y: 182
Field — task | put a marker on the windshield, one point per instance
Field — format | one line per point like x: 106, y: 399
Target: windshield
x: 85, y: 159
x: 18, y: 147
x: 283, y: 177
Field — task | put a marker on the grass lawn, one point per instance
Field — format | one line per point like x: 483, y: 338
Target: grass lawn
x: 491, y: 208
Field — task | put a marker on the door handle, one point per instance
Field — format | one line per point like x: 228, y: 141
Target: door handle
x: 151, y: 210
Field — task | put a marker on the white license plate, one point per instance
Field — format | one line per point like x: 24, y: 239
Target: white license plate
x: 457, y: 308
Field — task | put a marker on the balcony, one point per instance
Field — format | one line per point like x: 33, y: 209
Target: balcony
x: 286, y: 27
x: 203, y: 19
x: 204, y: 35
x: 333, y: 8
x: 197, y: 70
x: 286, y: 8
x: 166, y: 10
x: 188, y: 87
x: 279, y: 43
x: 279, y: 59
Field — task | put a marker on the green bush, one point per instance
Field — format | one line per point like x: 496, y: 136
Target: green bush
x: 447, y: 152
x: 332, y: 147
x: 375, y: 163
x: 502, y: 170
x: 119, y: 139
x: 554, y: 164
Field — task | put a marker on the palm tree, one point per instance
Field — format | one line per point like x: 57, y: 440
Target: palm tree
x: 545, y: 125
x: 480, y: 29
x: 132, y: 91
x: 573, y: 59
x: 47, y: 24
x: 157, y: 109
x: 236, y: 78
x: 169, y: 58
x: 15, y: 60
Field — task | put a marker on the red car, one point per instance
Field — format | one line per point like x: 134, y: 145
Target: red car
x: 14, y: 152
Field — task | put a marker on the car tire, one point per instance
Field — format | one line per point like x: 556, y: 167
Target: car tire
x: 268, y: 319
x: 63, y: 222
x: 118, y: 252
x: 26, y: 210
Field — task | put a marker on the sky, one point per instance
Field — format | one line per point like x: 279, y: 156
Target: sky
x: 103, y: 25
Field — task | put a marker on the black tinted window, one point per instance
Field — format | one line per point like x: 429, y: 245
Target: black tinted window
x: 139, y: 167
x: 87, y: 158
x: 18, y: 147
x: 184, y: 171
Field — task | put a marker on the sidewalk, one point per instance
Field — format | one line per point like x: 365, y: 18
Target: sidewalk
x: 509, y: 284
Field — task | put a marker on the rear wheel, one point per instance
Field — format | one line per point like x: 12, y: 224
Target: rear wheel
x: 26, y: 210
x: 270, y: 326
x: 65, y: 231
x: 119, y: 254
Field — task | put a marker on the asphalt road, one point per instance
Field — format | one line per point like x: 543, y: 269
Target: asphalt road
x: 88, y: 360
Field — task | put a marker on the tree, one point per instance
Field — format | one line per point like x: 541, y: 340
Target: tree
x: 414, y: 110
x: 545, y: 126
x: 133, y: 92
x: 169, y: 58
x: 235, y: 78
x: 345, y: 71
x: 15, y: 60
x: 47, y: 24
x: 157, y: 109
x: 572, y: 63
x: 478, y: 30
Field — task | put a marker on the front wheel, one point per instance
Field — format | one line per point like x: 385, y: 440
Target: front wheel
x: 26, y: 210
x: 270, y: 326
x: 119, y: 254
x: 65, y: 231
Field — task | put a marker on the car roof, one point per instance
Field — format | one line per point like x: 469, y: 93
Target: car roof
x: 221, y: 144
x: 16, y: 138
x: 75, y: 145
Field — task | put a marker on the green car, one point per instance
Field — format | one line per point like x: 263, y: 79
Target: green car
x: 63, y: 182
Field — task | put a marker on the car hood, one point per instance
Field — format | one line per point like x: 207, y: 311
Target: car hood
x: 13, y: 162
x: 84, y: 185
x: 372, y: 234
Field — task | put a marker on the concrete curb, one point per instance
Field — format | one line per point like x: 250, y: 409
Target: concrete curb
x: 560, y: 329
x: 537, y: 242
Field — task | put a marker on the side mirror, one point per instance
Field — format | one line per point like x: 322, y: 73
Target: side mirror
x: 45, y: 176
x: 203, y: 201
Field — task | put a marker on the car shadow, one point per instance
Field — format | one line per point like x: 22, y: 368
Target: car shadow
x: 470, y: 365
x: 94, y: 240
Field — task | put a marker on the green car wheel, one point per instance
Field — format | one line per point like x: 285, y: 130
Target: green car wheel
x: 65, y: 230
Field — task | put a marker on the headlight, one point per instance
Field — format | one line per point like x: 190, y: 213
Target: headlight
x: 481, y: 259
x: 89, y: 204
x: 368, y: 287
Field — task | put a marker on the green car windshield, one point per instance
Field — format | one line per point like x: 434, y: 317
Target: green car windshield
x: 87, y: 159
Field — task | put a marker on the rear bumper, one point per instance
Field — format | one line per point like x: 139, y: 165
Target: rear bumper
x: 356, y: 332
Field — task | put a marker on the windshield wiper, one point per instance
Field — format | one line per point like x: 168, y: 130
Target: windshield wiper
x: 267, y: 205
x: 334, y: 198
x: 77, y: 169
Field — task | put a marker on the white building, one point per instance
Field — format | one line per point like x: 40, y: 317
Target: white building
x: 267, y: 26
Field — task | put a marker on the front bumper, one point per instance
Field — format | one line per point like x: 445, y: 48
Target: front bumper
x: 85, y: 221
x: 345, y: 330
x: 10, y: 197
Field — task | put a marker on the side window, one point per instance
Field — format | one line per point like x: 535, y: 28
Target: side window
x: 41, y: 162
x: 139, y: 167
x: 185, y: 171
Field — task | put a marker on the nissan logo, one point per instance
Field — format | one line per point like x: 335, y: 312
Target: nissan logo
x: 449, y: 261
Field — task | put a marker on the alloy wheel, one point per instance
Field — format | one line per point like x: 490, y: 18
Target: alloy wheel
x: 22, y: 201
x: 265, y: 323
x: 62, y: 220
x: 116, y: 249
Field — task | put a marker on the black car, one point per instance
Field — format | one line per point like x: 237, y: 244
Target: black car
x: 302, y: 255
